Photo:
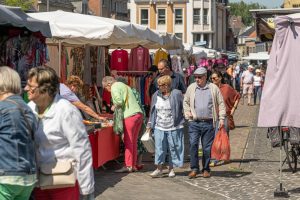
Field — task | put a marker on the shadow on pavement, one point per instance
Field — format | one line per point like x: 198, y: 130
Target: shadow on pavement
x: 230, y: 174
x: 294, y: 191
x: 244, y: 160
x: 107, y: 177
x: 241, y: 126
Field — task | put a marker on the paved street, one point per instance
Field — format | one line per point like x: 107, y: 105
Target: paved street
x: 252, y: 174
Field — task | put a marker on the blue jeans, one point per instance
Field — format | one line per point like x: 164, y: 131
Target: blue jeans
x: 205, y: 131
x: 257, y: 93
x: 172, y: 141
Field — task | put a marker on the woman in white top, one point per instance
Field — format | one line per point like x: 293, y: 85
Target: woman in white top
x: 257, y: 82
x: 166, y: 119
x: 60, y: 136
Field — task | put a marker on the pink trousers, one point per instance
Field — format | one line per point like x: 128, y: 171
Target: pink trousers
x: 132, y: 127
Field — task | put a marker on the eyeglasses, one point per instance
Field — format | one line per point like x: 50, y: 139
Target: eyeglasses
x: 162, y: 85
x: 30, y: 87
x: 214, y: 78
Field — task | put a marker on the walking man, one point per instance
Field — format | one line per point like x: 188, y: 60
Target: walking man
x: 247, y: 83
x: 203, y: 106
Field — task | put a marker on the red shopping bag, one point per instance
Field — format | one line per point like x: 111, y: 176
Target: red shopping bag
x: 221, y: 147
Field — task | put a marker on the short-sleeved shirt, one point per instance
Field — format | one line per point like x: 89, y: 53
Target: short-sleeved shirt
x: 67, y: 94
x: 247, y: 77
x: 257, y: 81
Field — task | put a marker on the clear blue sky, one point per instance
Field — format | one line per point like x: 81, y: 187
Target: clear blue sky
x: 268, y: 3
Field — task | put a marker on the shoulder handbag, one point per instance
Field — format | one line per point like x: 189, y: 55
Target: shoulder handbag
x: 59, y: 174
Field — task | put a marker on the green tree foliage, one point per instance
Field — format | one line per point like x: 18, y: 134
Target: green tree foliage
x: 23, y: 4
x: 242, y: 9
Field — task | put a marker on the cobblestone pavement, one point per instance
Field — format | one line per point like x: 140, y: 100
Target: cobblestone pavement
x: 252, y: 174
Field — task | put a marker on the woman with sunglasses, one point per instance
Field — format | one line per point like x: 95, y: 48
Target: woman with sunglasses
x: 166, y: 119
x: 231, y: 99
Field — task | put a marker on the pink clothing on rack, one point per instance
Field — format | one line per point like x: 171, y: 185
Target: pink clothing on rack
x: 119, y: 60
x: 139, y: 59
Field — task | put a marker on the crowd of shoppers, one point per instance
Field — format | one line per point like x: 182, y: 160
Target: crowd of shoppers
x: 49, y: 129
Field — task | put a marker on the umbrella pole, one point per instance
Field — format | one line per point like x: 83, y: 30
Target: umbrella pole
x: 59, y: 59
x: 280, y: 192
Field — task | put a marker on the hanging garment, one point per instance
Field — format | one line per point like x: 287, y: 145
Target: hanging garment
x: 119, y: 60
x: 77, y: 54
x: 139, y: 59
x: 23, y: 52
x: 160, y: 54
x: 280, y: 96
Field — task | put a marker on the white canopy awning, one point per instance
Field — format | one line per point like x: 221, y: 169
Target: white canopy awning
x: 74, y: 28
x: 257, y: 56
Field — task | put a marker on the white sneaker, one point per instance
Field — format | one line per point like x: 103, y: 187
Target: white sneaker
x: 156, y: 173
x: 172, y: 173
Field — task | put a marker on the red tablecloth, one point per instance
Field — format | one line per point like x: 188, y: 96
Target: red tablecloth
x: 105, y: 146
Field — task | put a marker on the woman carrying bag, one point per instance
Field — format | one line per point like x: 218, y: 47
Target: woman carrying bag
x: 231, y: 99
x: 62, y: 146
x: 166, y: 119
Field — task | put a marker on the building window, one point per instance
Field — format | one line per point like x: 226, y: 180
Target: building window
x: 205, y: 16
x: 179, y: 35
x: 161, y: 16
x: 178, y: 16
x: 196, y: 16
x: 196, y: 38
x: 144, y: 17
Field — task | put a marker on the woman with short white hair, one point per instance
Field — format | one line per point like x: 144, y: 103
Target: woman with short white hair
x: 124, y: 99
x: 166, y: 120
x: 17, y: 127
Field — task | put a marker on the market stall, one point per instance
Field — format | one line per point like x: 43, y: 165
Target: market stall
x: 88, y: 45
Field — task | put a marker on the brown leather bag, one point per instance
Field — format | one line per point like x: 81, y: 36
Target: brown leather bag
x: 60, y: 174
x: 230, y: 122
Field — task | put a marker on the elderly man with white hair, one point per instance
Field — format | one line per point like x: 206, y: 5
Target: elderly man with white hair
x: 247, y: 84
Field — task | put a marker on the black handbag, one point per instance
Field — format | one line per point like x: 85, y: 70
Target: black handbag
x: 294, y: 135
x: 274, y: 136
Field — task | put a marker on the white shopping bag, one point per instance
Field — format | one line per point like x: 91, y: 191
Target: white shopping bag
x: 148, y: 141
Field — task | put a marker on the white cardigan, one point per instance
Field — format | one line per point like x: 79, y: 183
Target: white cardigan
x: 62, y: 135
